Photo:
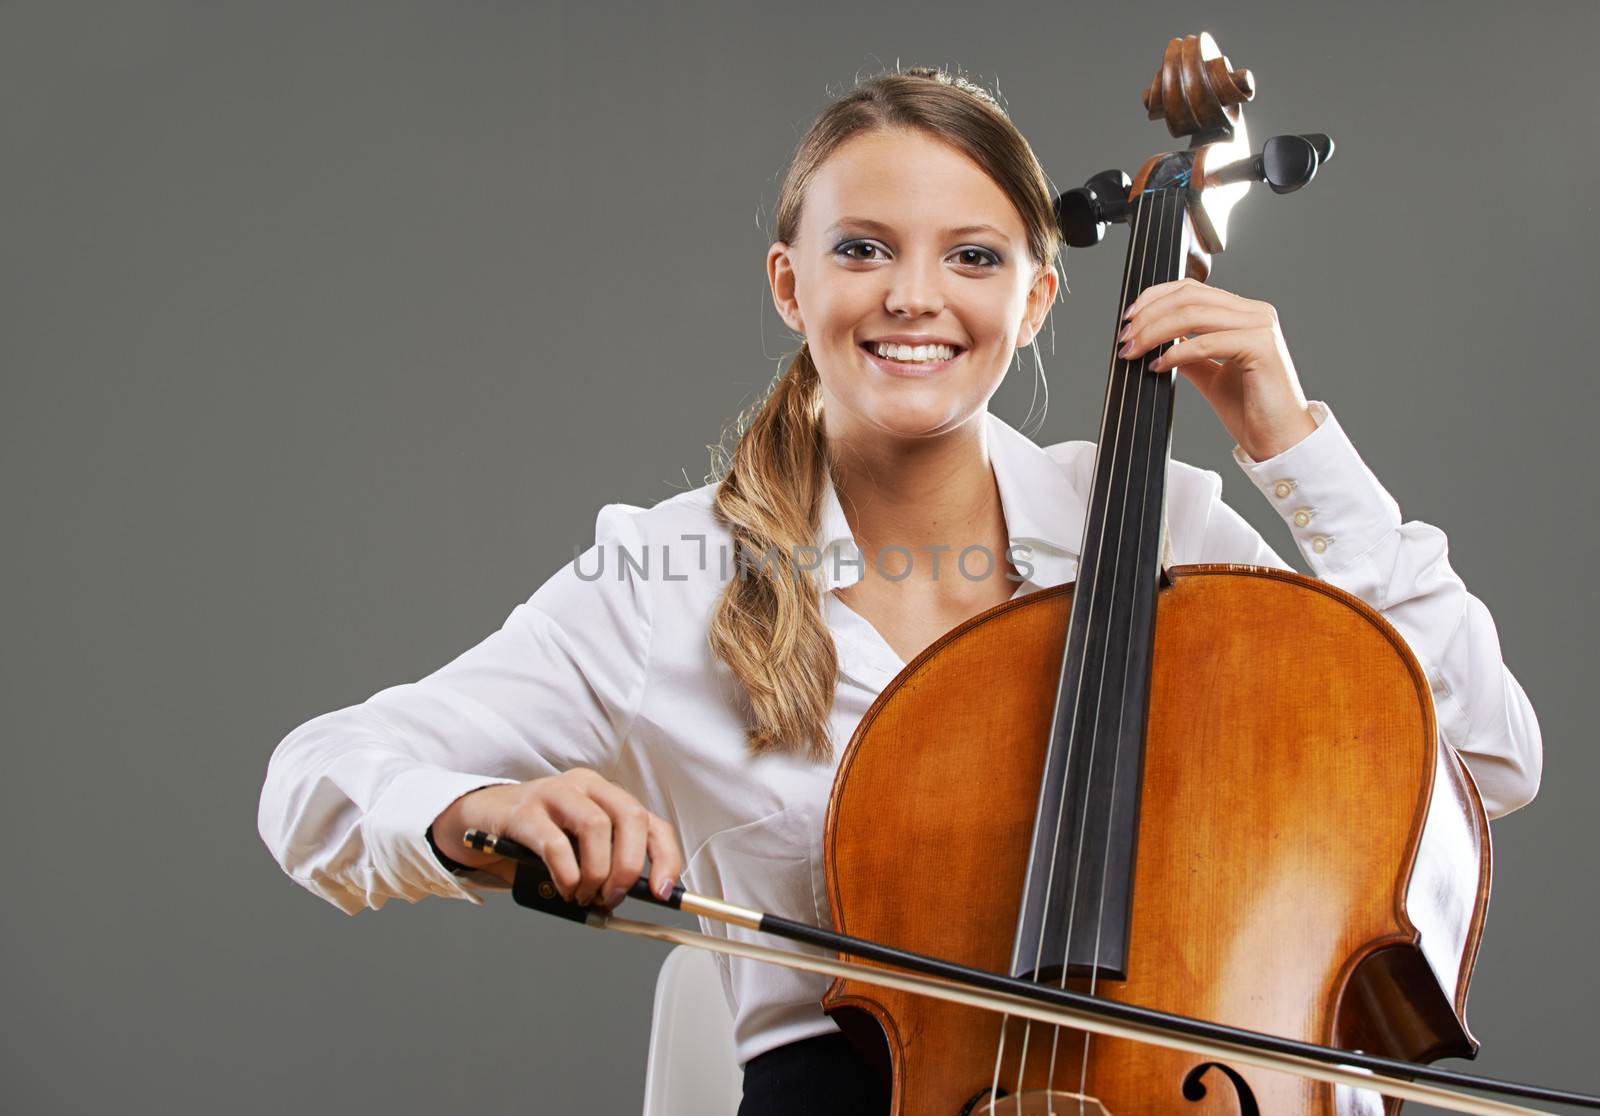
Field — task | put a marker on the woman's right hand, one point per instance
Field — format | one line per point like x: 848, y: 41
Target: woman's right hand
x: 614, y: 833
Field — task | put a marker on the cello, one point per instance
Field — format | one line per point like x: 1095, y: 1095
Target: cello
x: 1242, y: 810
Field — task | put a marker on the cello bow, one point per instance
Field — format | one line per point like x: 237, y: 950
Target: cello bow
x: 954, y: 983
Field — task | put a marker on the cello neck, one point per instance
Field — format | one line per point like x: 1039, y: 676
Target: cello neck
x: 1129, y: 482
x: 1077, y: 897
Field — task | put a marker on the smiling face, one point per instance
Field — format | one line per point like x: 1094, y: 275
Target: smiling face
x: 902, y: 236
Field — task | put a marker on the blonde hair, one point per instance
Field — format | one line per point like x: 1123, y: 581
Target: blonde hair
x: 768, y: 627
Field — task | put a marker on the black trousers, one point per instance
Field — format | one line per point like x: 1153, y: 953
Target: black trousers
x: 821, y: 1076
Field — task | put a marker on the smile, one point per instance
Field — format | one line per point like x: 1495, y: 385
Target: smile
x: 913, y: 368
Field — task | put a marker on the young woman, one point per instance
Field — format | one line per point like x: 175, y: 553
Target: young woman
x: 682, y: 690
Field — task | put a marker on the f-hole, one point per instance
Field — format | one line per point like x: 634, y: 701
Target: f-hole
x: 1194, y: 1089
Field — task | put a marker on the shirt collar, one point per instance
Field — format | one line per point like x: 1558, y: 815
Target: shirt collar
x: 1044, y: 513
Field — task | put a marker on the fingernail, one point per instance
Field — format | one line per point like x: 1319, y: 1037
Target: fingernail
x: 1127, y: 329
x: 614, y: 896
x: 664, y: 890
x: 1128, y: 313
x: 1126, y: 350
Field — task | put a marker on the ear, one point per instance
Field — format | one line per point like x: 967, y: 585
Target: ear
x: 780, y: 275
x: 1041, y: 296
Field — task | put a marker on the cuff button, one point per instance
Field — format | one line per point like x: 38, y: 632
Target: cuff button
x: 1320, y: 543
x: 1283, y: 488
x: 1302, y: 517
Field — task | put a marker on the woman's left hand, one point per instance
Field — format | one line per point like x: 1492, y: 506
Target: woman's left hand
x: 1232, y: 351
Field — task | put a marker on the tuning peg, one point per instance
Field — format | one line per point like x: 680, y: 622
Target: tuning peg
x: 1286, y: 163
x: 1289, y: 162
x: 1083, y: 214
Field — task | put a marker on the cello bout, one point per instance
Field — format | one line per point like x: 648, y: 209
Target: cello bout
x: 1309, y: 862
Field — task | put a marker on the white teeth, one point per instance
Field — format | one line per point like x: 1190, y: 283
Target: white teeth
x: 913, y: 354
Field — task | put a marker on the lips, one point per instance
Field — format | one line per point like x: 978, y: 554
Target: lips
x: 921, y: 368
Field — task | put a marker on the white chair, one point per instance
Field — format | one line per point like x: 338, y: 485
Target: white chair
x: 691, y: 1069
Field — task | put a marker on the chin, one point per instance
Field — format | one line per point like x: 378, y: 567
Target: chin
x: 919, y: 418
x: 906, y: 407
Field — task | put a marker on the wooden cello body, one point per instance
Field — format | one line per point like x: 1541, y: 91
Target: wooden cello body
x: 1311, y: 862
x: 1214, y: 790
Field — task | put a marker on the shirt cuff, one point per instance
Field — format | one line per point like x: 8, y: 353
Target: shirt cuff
x: 1332, y: 503
x: 396, y: 827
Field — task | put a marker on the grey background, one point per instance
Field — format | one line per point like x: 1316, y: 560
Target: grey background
x: 328, y: 328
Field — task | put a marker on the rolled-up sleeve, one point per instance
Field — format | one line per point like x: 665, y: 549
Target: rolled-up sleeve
x: 1350, y: 531
x: 349, y: 795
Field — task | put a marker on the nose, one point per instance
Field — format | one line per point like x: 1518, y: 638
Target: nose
x: 914, y: 289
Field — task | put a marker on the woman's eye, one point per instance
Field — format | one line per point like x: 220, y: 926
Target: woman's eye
x: 849, y: 247
x: 968, y: 257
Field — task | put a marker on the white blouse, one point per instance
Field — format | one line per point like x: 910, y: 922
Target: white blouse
x: 607, y: 666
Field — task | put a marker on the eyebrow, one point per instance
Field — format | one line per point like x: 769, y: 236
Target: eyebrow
x: 879, y: 226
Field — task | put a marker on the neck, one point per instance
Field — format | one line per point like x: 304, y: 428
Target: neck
x: 921, y: 494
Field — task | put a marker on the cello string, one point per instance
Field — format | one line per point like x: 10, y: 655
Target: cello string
x: 999, y: 1057
x: 1133, y: 384
x: 1132, y: 277
x: 1137, y: 226
x: 1167, y: 260
x: 1135, y: 278
x: 1028, y: 881
x: 1111, y: 434
x: 1136, y: 374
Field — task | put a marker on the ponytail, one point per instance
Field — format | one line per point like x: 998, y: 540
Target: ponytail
x: 768, y: 627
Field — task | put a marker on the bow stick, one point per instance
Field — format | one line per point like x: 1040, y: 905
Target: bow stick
x: 960, y: 984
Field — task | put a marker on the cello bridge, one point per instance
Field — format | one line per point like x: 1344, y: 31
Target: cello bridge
x: 1042, y: 1102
